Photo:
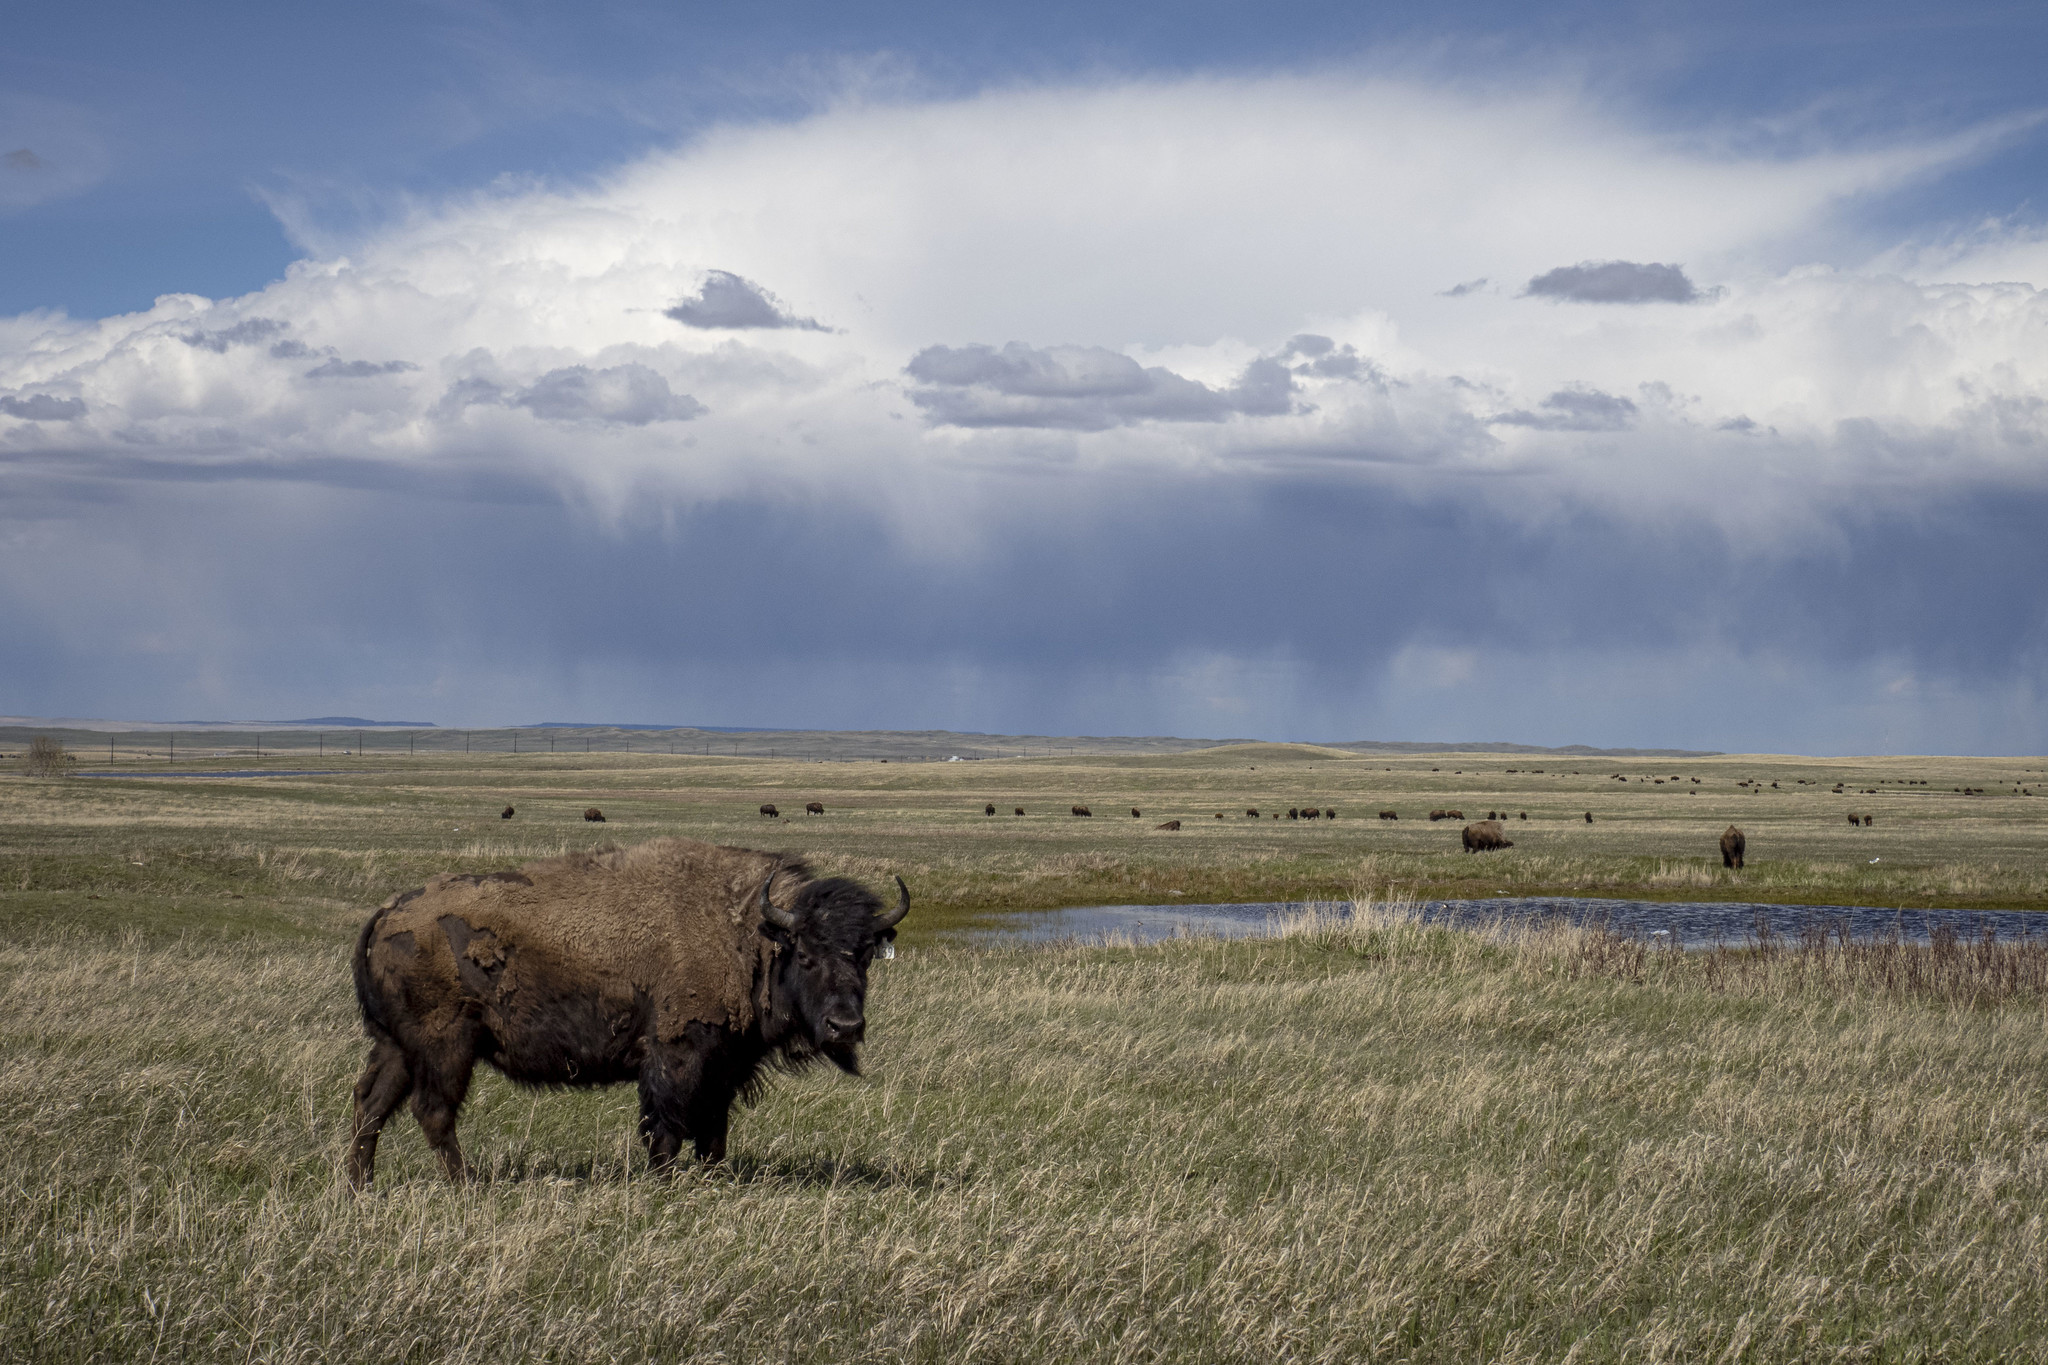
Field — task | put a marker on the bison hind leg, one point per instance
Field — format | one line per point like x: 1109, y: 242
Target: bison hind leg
x: 383, y: 1086
x: 437, y: 1097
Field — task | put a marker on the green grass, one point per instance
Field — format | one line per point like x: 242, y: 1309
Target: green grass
x: 1375, y: 1141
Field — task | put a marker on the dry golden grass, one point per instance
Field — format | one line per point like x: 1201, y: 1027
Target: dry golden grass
x: 1373, y: 1140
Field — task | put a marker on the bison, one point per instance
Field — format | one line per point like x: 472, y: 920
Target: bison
x: 1083, y: 810
x: 771, y: 812
x: 1589, y: 817
x: 1854, y: 818
x: 1020, y: 810
x: 989, y: 809
x: 507, y: 813
x: 1251, y: 812
x: 1389, y: 815
x: 683, y: 966
x: 1731, y: 848
x: 814, y: 808
x: 1136, y: 814
x: 1170, y: 824
x: 1329, y: 814
x: 594, y: 815
x: 1868, y: 818
x: 1311, y: 813
x: 1485, y: 835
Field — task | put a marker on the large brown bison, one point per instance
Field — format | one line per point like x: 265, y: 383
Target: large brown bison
x: 682, y: 966
x: 1731, y: 848
x: 1251, y: 812
x: 1020, y: 810
x: 1589, y: 817
x: 814, y: 808
x: 1329, y: 814
x: 594, y: 815
x: 770, y: 811
x: 507, y: 813
x: 1854, y: 818
x: 1868, y: 818
x: 1311, y: 812
x: 1389, y: 815
x: 989, y: 809
x: 1083, y: 810
x: 1484, y: 836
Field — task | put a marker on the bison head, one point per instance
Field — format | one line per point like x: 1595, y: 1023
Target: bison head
x: 828, y: 937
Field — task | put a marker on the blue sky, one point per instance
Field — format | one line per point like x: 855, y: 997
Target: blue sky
x: 1616, y: 374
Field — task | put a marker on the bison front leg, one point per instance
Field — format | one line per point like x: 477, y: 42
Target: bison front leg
x: 684, y: 1092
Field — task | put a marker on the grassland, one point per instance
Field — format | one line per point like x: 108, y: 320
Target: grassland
x: 1375, y: 1141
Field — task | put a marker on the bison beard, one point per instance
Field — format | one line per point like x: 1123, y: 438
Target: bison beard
x: 669, y: 964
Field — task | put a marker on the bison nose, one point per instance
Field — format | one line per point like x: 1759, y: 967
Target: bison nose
x: 837, y: 1028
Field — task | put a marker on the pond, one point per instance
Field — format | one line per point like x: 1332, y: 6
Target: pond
x: 1689, y: 924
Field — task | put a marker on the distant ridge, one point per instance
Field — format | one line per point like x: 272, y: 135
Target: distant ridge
x: 1376, y: 746
x: 341, y: 720
x: 616, y: 725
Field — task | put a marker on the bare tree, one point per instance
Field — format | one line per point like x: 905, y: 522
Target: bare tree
x: 45, y: 758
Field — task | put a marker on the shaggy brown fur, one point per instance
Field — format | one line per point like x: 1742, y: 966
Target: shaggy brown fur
x: 771, y: 812
x: 989, y: 809
x: 1083, y: 810
x: 1389, y: 815
x: 594, y: 815
x: 654, y: 963
x: 1732, y: 844
x: 1485, y: 835
x: 507, y: 813
x: 1251, y: 813
x: 1854, y: 818
x: 814, y: 808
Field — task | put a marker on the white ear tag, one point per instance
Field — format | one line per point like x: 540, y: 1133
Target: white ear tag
x: 888, y: 950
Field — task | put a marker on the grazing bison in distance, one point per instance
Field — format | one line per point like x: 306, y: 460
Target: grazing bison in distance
x: 1589, y: 817
x: 1868, y: 818
x: 1329, y: 814
x: 814, y: 808
x: 680, y: 965
x: 1311, y: 813
x: 507, y: 813
x: 1136, y: 814
x: 1170, y: 824
x: 1083, y: 810
x: 1293, y: 812
x: 771, y: 812
x: 989, y: 809
x: 1854, y: 818
x: 1020, y: 810
x: 1251, y: 812
x: 1389, y: 815
x: 594, y: 815
x: 1732, y: 844
x: 1484, y: 836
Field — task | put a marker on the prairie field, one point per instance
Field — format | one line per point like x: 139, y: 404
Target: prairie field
x: 1360, y: 1140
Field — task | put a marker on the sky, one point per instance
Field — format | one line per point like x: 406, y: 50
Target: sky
x: 1630, y: 375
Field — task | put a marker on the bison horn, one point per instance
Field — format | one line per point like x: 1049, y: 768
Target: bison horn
x: 773, y: 913
x: 888, y: 918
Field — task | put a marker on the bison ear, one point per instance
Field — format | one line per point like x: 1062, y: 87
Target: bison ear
x: 771, y: 913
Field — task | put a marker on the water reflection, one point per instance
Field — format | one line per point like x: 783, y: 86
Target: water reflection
x: 1690, y: 924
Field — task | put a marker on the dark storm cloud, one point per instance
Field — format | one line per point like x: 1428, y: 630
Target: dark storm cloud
x: 248, y: 332
x: 1046, y: 606
x: 43, y: 407
x: 22, y: 159
x: 1459, y: 291
x: 1615, y: 282
x: 726, y: 301
x: 1080, y: 388
x: 1575, y: 410
x: 359, y: 369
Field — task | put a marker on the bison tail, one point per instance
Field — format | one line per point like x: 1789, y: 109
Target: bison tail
x: 377, y: 1020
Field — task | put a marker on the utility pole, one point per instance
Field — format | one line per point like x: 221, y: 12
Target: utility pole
x: 323, y: 744
x: 359, y: 744
x: 174, y: 746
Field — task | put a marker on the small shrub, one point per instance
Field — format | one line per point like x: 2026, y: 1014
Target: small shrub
x: 45, y: 758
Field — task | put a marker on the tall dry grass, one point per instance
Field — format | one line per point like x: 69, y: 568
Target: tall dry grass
x: 1370, y: 1138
